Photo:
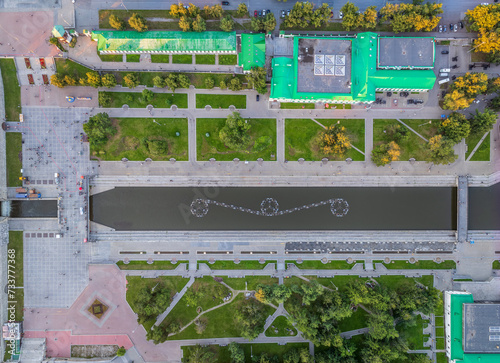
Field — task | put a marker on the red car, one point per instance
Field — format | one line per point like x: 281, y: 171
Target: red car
x: 255, y: 13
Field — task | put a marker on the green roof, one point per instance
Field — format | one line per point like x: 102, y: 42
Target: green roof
x: 165, y: 41
x: 456, y: 332
x: 365, y: 77
x: 253, y: 51
x: 58, y: 31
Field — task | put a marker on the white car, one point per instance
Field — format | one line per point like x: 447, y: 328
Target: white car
x: 341, y: 15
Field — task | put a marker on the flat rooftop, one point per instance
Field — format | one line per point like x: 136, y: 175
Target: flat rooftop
x: 405, y: 52
x: 481, y: 328
x: 324, y: 65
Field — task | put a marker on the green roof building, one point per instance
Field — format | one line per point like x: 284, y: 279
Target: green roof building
x: 344, y: 70
x: 253, y: 51
x: 58, y: 31
x: 164, y: 42
x: 472, y: 330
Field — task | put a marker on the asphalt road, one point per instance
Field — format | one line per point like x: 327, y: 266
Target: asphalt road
x: 86, y: 14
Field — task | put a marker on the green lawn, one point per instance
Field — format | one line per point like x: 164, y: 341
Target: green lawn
x: 221, y: 101
x: 302, y: 137
x: 183, y: 313
x: 249, y: 282
x: 11, y: 90
x: 16, y: 273
x: 414, y: 335
x: 439, y: 321
x: 160, y: 58
x: 441, y: 358
x: 66, y: 66
x: 228, y: 59
x: 479, y: 57
x: 144, y: 265
x: 293, y: 105
x: 129, y: 141
x: 423, y: 127
x: 220, y: 322
x: 483, y: 151
x: 356, y: 321
x: 135, y: 100
x: 111, y: 57
x: 439, y: 343
x: 440, y: 332
x: 211, y: 146
x: 137, y: 283
x: 13, y: 142
x: 414, y: 147
x: 318, y: 265
x: 281, y: 327
x: 230, y: 265
x: 339, y: 282
x: 182, y: 58
x: 136, y: 58
x: 205, y: 58
x: 394, y: 281
x: 496, y: 265
x: 422, y: 264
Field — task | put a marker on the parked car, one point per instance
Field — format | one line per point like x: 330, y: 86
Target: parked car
x: 461, y: 25
x: 395, y: 102
x: 445, y: 52
x: 451, y: 27
x: 260, y: 13
x: 410, y: 101
x: 283, y: 13
x: 257, y: 98
x: 225, y: 3
x: 440, y: 28
x: 444, y: 28
x: 264, y: 12
x: 455, y: 27
x: 341, y: 15
x: 389, y: 94
x: 288, y: 12
x: 255, y: 13
x: 418, y: 101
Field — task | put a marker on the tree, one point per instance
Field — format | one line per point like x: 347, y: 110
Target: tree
x: 227, y: 23
x: 193, y: 10
x: 237, y: 353
x: 183, y: 81
x: 441, y: 150
x: 257, y: 79
x: 370, y: 17
x: 200, y: 325
x: 300, y: 16
x: 250, y: 317
x: 234, y: 84
x: 121, y: 351
x: 137, y: 22
x: 493, y: 85
x: 455, y: 128
x: 485, y: 20
x: 494, y: 104
x: 257, y: 24
x: 93, y: 79
x: 222, y: 84
x: 334, y: 140
x: 116, y: 22
x: 386, y: 153
x: 159, y: 82
x: 171, y: 82
x: 209, y: 82
x: 185, y: 23
x: 104, y: 99
x: 269, y: 23
x: 321, y: 15
x: 69, y: 80
x: 108, y: 80
x: 292, y: 356
x: 482, y: 122
x: 98, y: 129
x: 57, y: 80
x: 147, y: 95
x: 217, y: 11
x: 242, y: 9
x: 157, y: 334
x: 131, y: 80
x: 281, y: 293
x: 235, y: 134
x: 310, y: 292
x: 381, y: 325
x: 199, y: 24
x: 177, y: 10
x: 352, y: 18
x: 397, y: 133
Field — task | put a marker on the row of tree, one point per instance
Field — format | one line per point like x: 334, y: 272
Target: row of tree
x: 465, y: 89
x: 136, y: 22
x: 92, y: 79
x: 485, y: 19
x: 304, y: 15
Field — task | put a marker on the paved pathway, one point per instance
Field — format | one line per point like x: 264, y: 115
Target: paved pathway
x: 412, y: 130
x: 174, y: 302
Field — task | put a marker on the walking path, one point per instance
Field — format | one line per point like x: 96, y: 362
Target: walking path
x: 174, y: 302
x: 412, y: 130
x: 477, y: 146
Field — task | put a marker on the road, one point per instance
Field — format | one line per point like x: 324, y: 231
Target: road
x: 86, y: 10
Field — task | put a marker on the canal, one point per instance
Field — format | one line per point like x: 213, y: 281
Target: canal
x: 276, y: 208
x: 33, y: 208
